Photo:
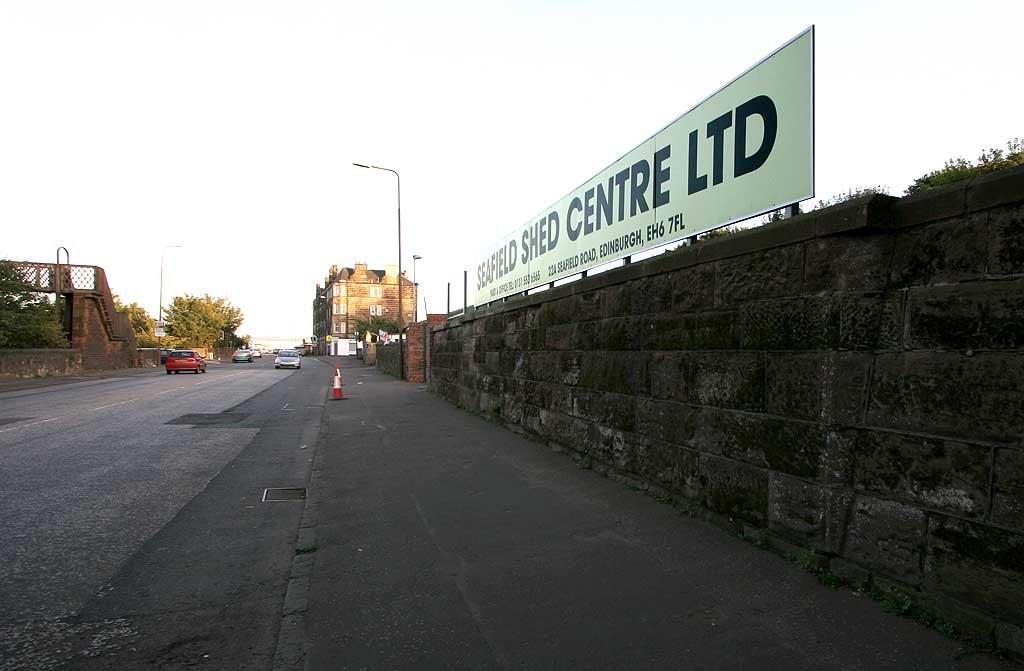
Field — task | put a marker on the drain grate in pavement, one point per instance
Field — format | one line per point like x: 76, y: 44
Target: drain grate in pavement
x: 284, y: 494
x: 213, y: 419
x: 12, y: 420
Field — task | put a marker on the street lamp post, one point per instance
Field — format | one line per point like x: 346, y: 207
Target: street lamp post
x: 160, y: 307
x: 401, y: 319
x: 415, y: 308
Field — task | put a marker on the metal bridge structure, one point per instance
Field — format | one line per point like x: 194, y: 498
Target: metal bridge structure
x: 87, y: 312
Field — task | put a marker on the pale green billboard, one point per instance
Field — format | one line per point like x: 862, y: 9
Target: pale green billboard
x: 745, y: 150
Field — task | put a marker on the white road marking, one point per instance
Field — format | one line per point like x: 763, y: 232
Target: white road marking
x: 25, y: 426
x: 102, y: 407
x: 161, y: 393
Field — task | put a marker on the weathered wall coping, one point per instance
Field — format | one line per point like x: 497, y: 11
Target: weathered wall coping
x: 869, y: 213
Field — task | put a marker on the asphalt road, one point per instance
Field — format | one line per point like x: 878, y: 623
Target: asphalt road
x: 134, y: 535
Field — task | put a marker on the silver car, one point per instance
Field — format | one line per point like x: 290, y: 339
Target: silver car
x: 287, y: 358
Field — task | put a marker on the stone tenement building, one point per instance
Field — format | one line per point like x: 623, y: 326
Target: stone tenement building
x: 351, y: 295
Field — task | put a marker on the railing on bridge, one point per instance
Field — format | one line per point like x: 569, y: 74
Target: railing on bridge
x: 40, y: 277
x: 68, y: 279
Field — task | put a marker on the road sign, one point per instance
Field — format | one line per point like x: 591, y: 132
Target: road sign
x: 159, y: 332
x: 312, y: 339
x: 160, y: 323
x: 327, y: 338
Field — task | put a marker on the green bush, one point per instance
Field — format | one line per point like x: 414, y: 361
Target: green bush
x: 959, y: 169
x: 27, y: 318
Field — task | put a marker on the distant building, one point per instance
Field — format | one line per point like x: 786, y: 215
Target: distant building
x: 351, y: 295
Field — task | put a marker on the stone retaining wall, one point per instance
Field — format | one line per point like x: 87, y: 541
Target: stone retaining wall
x: 849, y: 381
x: 39, y: 362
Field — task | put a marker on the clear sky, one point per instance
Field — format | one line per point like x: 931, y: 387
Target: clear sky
x: 230, y: 127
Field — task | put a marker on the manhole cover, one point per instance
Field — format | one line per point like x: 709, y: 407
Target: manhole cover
x: 213, y: 419
x: 284, y: 494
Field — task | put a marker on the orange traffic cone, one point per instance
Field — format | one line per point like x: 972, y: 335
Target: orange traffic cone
x: 337, y: 371
x: 338, y: 394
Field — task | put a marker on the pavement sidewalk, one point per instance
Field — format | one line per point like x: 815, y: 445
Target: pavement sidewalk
x: 446, y: 542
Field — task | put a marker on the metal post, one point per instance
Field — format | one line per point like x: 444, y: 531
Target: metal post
x: 401, y: 317
x: 448, y: 303
x: 58, y: 280
x: 465, y: 289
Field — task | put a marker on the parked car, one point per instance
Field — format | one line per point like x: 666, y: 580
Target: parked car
x: 256, y: 354
x: 287, y: 358
x: 185, y: 359
x: 242, y: 355
x: 164, y: 351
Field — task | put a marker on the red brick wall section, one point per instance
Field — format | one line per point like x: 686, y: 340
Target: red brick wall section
x: 90, y: 337
x: 414, y: 354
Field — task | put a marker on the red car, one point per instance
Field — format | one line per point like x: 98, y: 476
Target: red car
x: 185, y: 359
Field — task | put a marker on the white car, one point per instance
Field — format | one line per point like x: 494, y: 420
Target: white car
x: 256, y: 354
x: 287, y: 358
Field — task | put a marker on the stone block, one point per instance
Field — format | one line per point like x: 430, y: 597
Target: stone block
x: 977, y: 315
x: 728, y: 380
x: 705, y: 330
x: 618, y: 372
x: 1008, y: 488
x: 651, y: 294
x: 616, y: 301
x: 569, y: 432
x: 950, y: 394
x: 867, y: 212
x: 888, y: 537
x: 1006, y: 247
x: 943, y: 253
x: 808, y: 513
x: 930, y: 206
x: 668, y: 465
x: 617, y: 333
x: 870, y: 321
x: 671, y: 376
x: 666, y: 421
x: 693, y: 288
x: 492, y: 363
x: 803, y: 323
x: 561, y: 311
x: 560, y: 337
x: 935, y: 473
x: 996, y: 188
x: 734, y: 489
x: 847, y: 263
x: 773, y: 273
x: 826, y: 387
x: 615, y: 410
x: 977, y: 565
x: 1010, y: 637
x: 788, y: 446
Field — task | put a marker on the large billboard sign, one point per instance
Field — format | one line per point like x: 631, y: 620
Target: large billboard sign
x: 745, y: 150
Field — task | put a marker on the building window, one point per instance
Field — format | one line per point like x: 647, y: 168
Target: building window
x: 376, y: 311
x: 376, y: 292
x: 344, y: 329
x: 337, y: 328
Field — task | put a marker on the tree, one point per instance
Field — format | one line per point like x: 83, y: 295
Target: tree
x: 202, y: 321
x: 27, y: 318
x: 141, y: 321
x: 375, y: 325
x: 959, y: 169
